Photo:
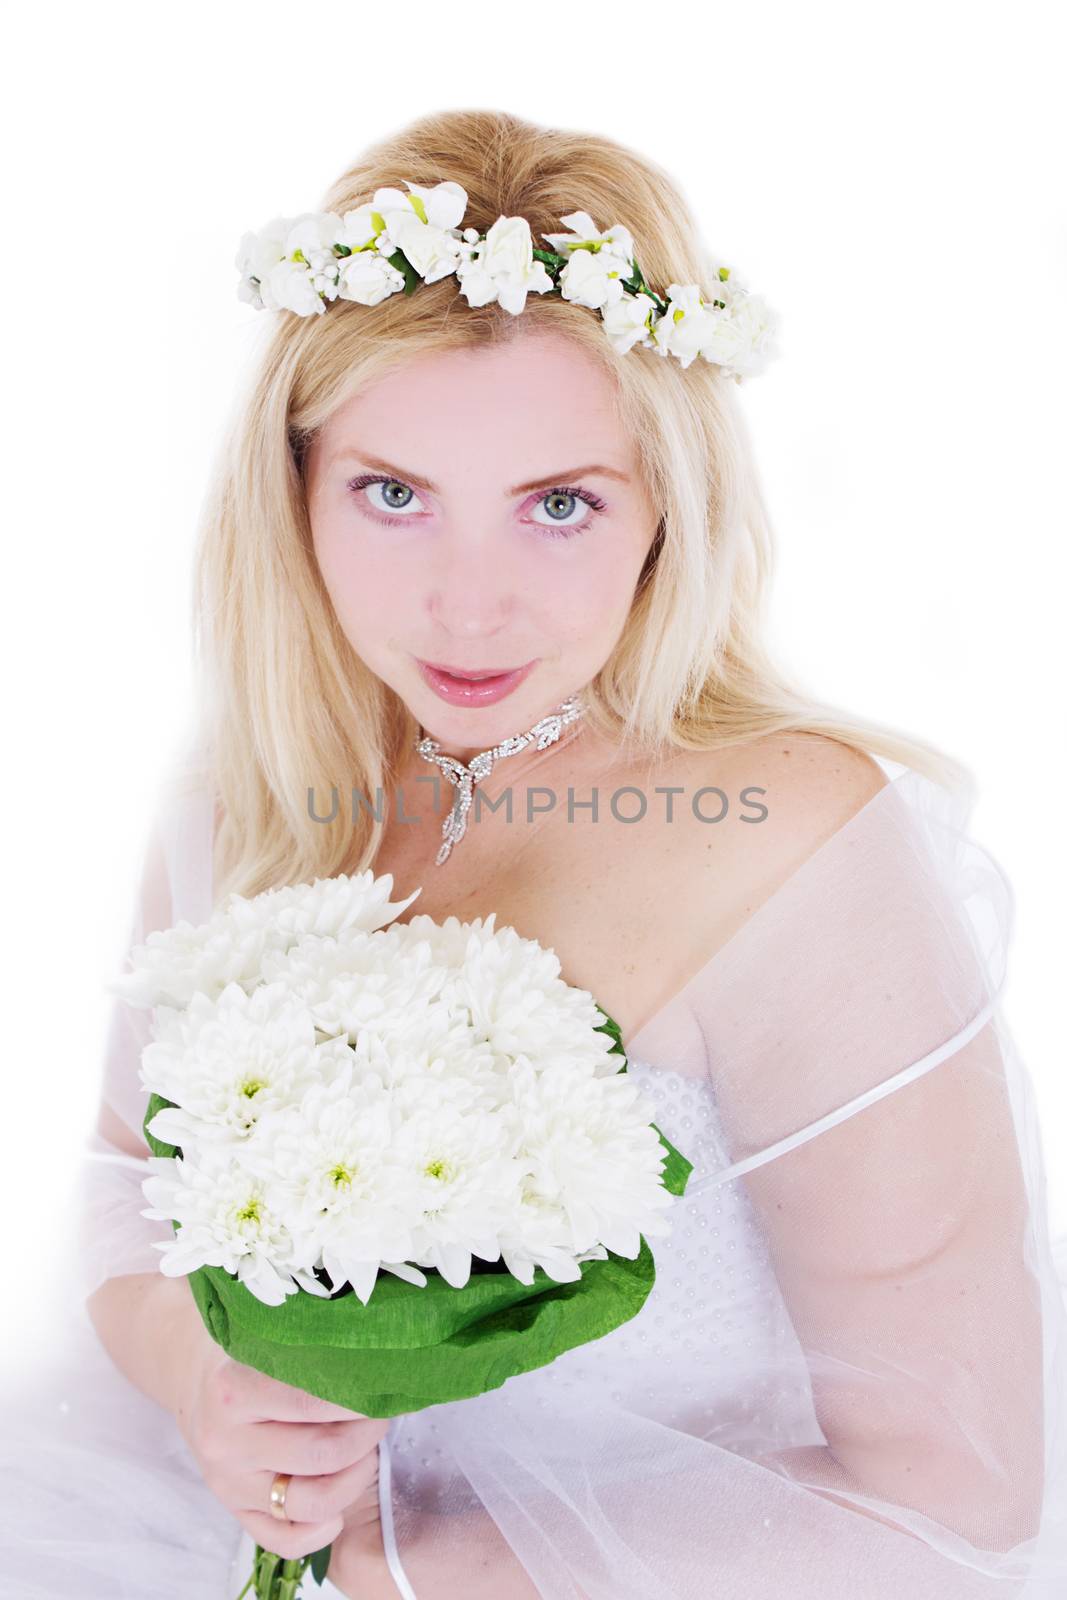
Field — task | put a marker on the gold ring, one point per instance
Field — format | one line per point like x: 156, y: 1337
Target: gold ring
x: 278, y: 1490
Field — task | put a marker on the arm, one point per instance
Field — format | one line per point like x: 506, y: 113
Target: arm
x: 153, y: 1331
x: 899, y: 1241
x: 901, y: 1235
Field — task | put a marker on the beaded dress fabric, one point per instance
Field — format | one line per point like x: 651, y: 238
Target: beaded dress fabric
x: 850, y: 1377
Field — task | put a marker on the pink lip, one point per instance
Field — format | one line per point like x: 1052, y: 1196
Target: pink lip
x: 473, y: 691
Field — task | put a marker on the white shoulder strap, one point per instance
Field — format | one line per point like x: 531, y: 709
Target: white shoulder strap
x: 859, y: 1103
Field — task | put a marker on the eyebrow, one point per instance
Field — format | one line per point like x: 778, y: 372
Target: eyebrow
x: 417, y: 482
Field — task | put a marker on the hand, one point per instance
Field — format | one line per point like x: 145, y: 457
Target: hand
x: 243, y: 1427
x: 357, y: 1558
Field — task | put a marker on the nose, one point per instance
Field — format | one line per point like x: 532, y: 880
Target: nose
x: 472, y: 596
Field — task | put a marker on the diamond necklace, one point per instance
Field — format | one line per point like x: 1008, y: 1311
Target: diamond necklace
x: 465, y: 776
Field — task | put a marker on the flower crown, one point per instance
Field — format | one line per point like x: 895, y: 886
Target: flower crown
x: 396, y: 240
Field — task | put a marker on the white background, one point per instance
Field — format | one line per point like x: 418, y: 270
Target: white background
x: 891, y: 181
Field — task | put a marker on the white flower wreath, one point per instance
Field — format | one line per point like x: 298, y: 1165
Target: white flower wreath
x: 396, y: 240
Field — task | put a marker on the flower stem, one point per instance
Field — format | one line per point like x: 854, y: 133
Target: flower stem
x: 275, y: 1577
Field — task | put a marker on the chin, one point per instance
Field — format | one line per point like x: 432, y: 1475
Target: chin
x: 485, y: 726
x: 472, y: 729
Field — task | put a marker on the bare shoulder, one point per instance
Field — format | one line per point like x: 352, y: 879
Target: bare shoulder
x: 788, y: 794
x: 818, y: 783
x: 810, y: 784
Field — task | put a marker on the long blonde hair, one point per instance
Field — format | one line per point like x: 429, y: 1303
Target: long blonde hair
x: 284, y: 704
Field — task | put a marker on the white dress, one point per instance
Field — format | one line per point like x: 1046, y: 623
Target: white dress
x: 850, y: 1378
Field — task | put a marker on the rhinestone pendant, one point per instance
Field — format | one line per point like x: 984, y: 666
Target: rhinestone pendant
x: 543, y: 733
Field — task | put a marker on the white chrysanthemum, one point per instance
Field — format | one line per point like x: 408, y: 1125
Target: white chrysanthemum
x: 592, y: 1152
x: 519, y: 1003
x: 333, y: 1177
x: 539, y: 1236
x: 227, y: 1219
x: 468, y: 1174
x: 450, y: 941
x: 456, y: 1090
x: 175, y: 963
x: 328, y: 907
x: 224, y: 1063
x: 359, y: 981
x: 437, y: 1046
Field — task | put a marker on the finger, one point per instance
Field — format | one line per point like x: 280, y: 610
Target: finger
x: 290, y: 1539
x: 313, y: 1449
x: 317, y: 1500
x: 267, y: 1398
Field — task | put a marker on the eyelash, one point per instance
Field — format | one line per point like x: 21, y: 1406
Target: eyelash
x: 594, y: 502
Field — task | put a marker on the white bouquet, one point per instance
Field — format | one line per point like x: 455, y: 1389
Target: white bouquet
x: 403, y: 1163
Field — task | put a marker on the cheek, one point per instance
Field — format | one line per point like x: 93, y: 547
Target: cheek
x: 590, y: 598
x: 366, y: 586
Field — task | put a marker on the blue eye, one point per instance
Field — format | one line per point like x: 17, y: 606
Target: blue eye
x: 558, y: 524
x: 393, y: 504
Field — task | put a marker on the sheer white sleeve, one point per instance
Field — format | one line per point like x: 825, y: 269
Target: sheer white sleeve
x: 102, y: 1498
x: 175, y: 883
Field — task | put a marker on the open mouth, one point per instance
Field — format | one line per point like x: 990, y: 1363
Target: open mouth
x: 471, y: 677
x: 479, y: 686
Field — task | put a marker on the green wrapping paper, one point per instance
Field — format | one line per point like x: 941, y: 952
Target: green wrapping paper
x: 411, y: 1347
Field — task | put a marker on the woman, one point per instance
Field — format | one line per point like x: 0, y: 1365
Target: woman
x: 466, y: 550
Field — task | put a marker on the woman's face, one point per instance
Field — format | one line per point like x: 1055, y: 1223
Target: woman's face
x: 481, y: 511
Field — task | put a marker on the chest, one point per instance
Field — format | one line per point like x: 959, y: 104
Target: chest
x: 625, y: 906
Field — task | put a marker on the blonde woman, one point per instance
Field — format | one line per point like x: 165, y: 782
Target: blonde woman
x: 480, y: 604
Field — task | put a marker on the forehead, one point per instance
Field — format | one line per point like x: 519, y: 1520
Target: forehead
x: 538, y: 401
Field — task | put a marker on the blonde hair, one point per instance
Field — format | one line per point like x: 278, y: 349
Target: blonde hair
x: 284, y: 703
